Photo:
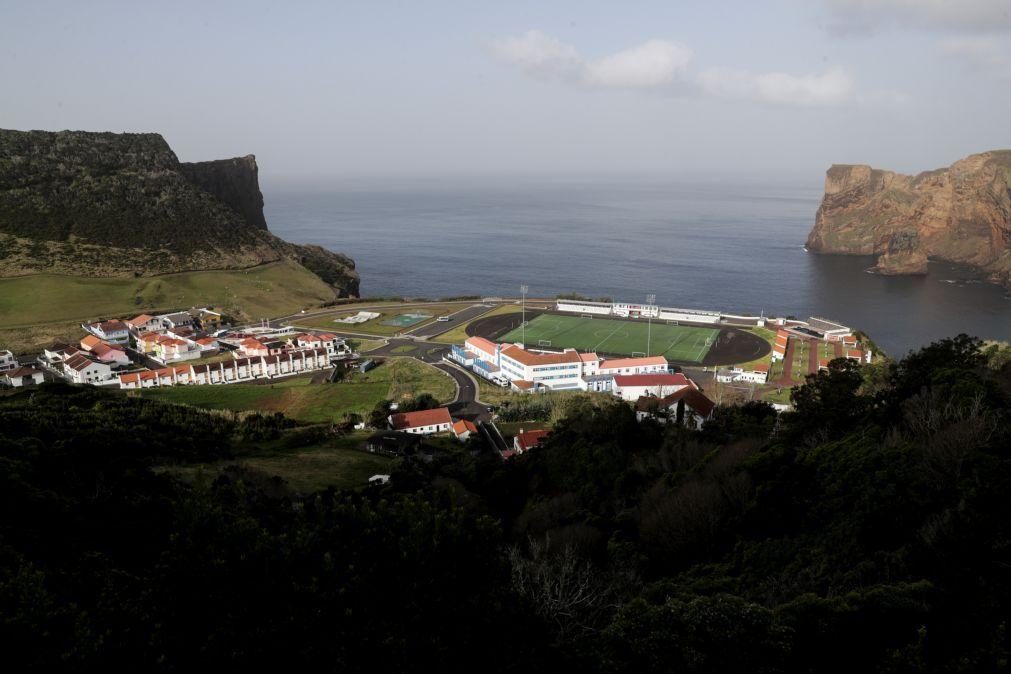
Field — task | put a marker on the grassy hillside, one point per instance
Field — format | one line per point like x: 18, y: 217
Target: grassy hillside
x: 43, y: 306
x: 301, y: 400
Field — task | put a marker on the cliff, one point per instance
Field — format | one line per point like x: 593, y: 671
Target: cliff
x: 107, y: 204
x: 957, y: 214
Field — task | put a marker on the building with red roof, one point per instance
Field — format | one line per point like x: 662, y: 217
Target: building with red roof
x: 631, y: 387
x: 422, y: 422
x: 464, y: 429
x: 527, y: 440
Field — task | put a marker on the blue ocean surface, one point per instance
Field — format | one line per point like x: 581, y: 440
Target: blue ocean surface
x: 734, y: 245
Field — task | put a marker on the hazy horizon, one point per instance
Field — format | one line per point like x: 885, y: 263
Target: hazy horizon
x: 373, y: 90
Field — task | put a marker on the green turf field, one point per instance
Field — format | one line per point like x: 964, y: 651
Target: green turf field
x: 681, y: 343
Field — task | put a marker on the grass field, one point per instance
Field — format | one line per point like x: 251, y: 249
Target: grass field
x: 39, y: 307
x: 340, y: 463
x: 681, y: 343
x: 301, y: 400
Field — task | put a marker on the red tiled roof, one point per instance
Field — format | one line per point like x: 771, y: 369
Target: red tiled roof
x: 855, y: 353
x: 761, y: 368
x: 78, y: 362
x: 436, y: 417
x: 464, y: 426
x: 588, y: 357
x: 692, y: 397
x: 140, y: 320
x: 531, y: 358
x: 657, y: 379
x: 481, y: 344
x: 523, y: 384
x: 90, y: 342
x: 111, y: 326
x: 618, y: 363
x: 530, y: 439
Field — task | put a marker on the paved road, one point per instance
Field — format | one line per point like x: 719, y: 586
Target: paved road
x: 437, y: 328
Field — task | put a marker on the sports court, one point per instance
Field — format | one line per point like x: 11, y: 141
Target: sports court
x: 406, y: 320
x: 683, y: 343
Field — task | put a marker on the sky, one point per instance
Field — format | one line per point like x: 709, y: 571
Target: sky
x: 374, y: 89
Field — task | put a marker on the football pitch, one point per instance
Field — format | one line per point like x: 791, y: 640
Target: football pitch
x: 687, y: 344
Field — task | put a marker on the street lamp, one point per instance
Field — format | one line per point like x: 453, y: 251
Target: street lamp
x: 523, y: 314
x: 650, y: 301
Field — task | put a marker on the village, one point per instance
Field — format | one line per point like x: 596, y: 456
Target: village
x: 197, y: 347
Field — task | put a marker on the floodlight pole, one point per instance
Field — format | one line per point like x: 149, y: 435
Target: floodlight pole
x: 650, y: 301
x: 523, y: 314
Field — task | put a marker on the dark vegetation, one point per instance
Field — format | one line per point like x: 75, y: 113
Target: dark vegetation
x: 127, y: 193
x: 866, y: 532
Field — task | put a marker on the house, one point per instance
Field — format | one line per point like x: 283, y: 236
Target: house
x: 83, y: 370
x: 114, y: 331
x: 464, y: 429
x: 171, y: 349
x: 144, y: 324
x: 850, y: 341
x: 208, y: 345
x: 527, y: 440
x: 7, y: 361
x: 105, y: 352
x: 631, y: 387
x: 687, y: 407
x: 652, y: 364
x: 179, y: 319
x: 422, y: 422
x: 208, y: 320
x: 758, y: 374
x: 59, y: 352
x: 114, y: 355
x: 250, y: 346
x: 23, y: 376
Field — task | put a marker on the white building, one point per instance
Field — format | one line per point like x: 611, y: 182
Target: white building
x: 584, y: 307
x: 831, y: 330
x: 645, y: 365
x: 631, y: 387
x: 82, y: 370
x: 116, y: 332
x: 22, y: 376
x: 7, y: 361
x: 144, y: 323
x: 629, y: 310
x: 422, y: 422
x: 758, y: 375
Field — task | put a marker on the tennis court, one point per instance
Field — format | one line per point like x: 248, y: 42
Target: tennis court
x: 405, y: 320
x: 682, y: 343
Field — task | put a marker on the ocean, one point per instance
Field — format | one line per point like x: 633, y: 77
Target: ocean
x: 732, y: 246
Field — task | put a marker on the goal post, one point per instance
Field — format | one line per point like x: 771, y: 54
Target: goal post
x: 543, y: 342
x: 638, y: 354
x: 586, y: 315
x: 672, y: 322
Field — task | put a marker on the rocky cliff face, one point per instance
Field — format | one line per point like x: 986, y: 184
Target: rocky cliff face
x: 958, y: 214
x: 106, y: 204
x: 234, y: 182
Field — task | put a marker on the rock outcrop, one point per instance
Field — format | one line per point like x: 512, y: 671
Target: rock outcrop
x: 107, y: 204
x: 959, y: 214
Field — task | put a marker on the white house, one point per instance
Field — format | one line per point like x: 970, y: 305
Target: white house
x: 83, y: 370
x: 22, y: 376
x: 115, y: 331
x: 646, y: 365
x: 464, y: 429
x: 631, y: 387
x: 758, y: 375
x: 7, y: 361
x: 144, y: 323
x: 174, y: 321
x: 687, y: 406
x: 422, y: 422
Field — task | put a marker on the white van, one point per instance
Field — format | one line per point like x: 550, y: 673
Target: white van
x: 442, y: 319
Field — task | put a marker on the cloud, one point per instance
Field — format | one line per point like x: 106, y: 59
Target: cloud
x: 979, y: 51
x: 659, y: 65
x: 539, y: 54
x: 653, y: 64
x: 830, y: 88
x: 973, y: 16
